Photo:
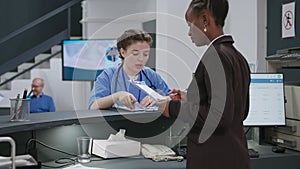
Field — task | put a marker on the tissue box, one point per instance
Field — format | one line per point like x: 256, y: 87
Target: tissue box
x: 113, y: 149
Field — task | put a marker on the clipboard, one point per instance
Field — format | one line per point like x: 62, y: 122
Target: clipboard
x: 152, y: 93
x: 138, y: 107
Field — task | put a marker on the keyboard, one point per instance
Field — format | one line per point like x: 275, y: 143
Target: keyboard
x: 182, y: 152
x: 252, y: 153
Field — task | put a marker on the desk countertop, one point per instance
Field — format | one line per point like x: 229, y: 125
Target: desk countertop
x: 130, y: 163
x: 53, y: 119
x: 267, y: 160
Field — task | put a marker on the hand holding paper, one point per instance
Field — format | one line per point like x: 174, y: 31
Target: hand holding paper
x: 141, y: 84
x: 147, y: 102
x: 178, y: 95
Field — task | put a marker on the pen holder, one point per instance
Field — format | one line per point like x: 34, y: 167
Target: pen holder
x: 19, y: 109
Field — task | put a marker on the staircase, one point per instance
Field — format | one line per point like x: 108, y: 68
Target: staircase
x: 12, y: 88
x: 64, y: 93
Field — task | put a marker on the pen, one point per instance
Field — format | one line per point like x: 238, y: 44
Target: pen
x: 25, y: 94
x: 21, y: 111
x: 172, y: 94
x: 16, y: 107
x: 29, y: 93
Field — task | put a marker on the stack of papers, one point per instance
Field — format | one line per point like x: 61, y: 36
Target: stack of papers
x: 152, y: 93
x: 138, y: 107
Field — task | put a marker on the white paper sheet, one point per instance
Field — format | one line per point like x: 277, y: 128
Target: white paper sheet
x: 79, y: 166
x: 141, y: 84
x: 137, y: 107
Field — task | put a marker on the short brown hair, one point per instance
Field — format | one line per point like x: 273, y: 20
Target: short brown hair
x: 218, y: 8
x: 130, y: 36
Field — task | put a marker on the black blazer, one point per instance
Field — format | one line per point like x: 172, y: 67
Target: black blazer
x: 217, y: 103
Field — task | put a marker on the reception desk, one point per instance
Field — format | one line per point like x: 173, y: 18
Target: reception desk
x: 54, y: 119
x: 60, y: 129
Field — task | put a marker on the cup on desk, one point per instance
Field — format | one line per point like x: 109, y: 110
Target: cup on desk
x: 84, y: 149
x: 19, y: 109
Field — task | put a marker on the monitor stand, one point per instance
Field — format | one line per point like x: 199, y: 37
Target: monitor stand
x: 255, y: 139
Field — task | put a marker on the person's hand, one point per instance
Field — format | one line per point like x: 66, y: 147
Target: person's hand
x: 147, y: 101
x: 126, y: 98
x: 178, y: 95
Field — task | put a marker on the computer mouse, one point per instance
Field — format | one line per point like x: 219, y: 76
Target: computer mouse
x: 278, y: 149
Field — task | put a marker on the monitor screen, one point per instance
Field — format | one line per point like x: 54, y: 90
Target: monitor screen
x: 85, y: 59
x: 266, y: 100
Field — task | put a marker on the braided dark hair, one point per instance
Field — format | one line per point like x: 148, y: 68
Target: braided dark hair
x: 218, y: 8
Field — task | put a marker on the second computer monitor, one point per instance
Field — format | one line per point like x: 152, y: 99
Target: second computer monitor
x: 266, y: 100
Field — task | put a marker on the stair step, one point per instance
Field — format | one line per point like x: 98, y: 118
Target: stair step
x: 75, y: 37
x: 56, y: 48
x: 6, y: 86
x: 40, y: 57
x: 44, y: 65
x: 22, y: 67
x: 5, y: 76
x: 58, y: 56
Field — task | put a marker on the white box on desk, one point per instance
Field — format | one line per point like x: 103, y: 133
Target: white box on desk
x: 113, y: 149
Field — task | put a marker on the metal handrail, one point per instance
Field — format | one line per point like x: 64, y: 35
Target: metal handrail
x: 39, y: 20
x: 29, y: 68
x: 12, y: 151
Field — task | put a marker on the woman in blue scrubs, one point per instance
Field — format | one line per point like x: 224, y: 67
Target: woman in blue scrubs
x: 112, y: 85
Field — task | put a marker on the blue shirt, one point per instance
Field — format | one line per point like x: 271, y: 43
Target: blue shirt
x: 114, y: 79
x: 42, y: 104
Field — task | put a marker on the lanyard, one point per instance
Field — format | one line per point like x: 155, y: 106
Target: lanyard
x: 125, y: 84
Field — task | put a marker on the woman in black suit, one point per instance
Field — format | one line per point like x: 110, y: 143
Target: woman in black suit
x: 217, y: 99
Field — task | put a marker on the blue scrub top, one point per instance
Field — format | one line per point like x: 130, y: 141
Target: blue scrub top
x: 42, y: 104
x: 114, y: 79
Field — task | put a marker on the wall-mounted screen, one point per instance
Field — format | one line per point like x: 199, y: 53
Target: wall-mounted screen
x: 266, y: 100
x: 86, y: 59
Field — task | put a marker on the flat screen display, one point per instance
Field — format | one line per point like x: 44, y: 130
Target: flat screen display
x: 266, y: 100
x: 86, y: 59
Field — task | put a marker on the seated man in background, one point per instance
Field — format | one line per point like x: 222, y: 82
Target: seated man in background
x: 40, y: 102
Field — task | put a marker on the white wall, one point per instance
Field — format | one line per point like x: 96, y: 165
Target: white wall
x: 261, y: 36
x: 176, y: 55
x: 175, y: 49
x: 108, y: 19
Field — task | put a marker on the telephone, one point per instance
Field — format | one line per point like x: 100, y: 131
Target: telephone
x: 156, y: 150
x: 159, y: 153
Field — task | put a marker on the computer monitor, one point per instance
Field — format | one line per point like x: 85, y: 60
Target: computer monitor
x: 86, y: 59
x: 266, y: 100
